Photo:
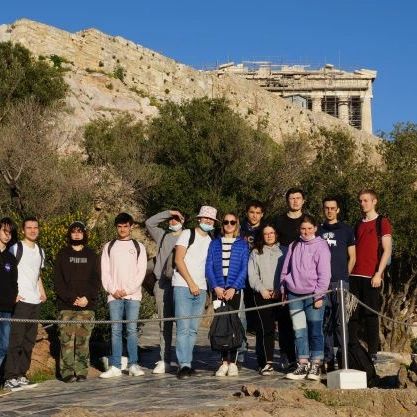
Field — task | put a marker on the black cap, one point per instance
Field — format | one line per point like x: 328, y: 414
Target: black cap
x: 78, y: 225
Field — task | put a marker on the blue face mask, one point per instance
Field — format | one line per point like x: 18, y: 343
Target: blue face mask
x: 175, y: 227
x: 206, y: 227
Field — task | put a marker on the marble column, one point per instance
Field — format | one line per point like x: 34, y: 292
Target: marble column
x: 316, y: 103
x: 366, y: 114
x: 344, y: 108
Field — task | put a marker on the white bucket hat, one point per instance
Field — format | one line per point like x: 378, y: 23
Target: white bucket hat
x: 209, y: 212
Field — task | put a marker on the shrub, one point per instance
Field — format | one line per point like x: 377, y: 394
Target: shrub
x: 22, y: 76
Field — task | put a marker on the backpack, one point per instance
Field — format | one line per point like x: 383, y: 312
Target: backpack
x: 19, y: 252
x: 226, y: 332
x: 135, y: 242
x: 359, y: 359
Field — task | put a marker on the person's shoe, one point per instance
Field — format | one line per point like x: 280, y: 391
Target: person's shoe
x: 239, y: 365
x: 112, y: 372
x: 268, y: 369
x: 184, y: 372
x: 329, y: 367
x: 161, y: 367
x: 314, y: 373
x: 81, y: 378
x: 25, y: 383
x: 69, y: 379
x: 136, y: 370
x: 223, y: 370
x: 299, y: 373
x: 12, y: 385
x: 233, y: 370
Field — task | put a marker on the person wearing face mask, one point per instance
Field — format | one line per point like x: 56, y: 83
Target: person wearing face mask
x: 77, y: 284
x: 226, y: 271
x: 190, y: 286
x: 307, y: 271
x: 163, y: 271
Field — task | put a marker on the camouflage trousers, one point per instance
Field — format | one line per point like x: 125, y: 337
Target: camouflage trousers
x: 75, y: 339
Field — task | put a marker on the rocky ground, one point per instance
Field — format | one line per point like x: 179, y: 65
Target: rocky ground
x: 248, y: 395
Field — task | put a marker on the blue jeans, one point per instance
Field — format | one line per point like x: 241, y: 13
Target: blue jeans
x: 307, y: 322
x: 120, y: 309
x: 4, y: 334
x: 187, y: 304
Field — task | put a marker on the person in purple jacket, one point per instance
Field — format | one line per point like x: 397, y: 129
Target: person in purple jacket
x: 226, y: 272
x: 306, y: 271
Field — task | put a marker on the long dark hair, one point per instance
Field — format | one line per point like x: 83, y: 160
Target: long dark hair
x: 260, y: 242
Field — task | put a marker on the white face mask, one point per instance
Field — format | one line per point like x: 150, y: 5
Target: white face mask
x: 206, y: 227
x: 175, y: 227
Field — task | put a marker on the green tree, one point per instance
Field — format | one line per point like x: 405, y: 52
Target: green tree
x: 398, y: 199
x: 208, y: 154
x: 340, y: 168
x: 22, y: 76
x: 121, y: 145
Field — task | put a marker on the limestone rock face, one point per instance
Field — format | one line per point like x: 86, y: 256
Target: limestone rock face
x: 146, y: 78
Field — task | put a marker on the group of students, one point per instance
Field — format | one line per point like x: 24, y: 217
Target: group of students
x: 248, y: 263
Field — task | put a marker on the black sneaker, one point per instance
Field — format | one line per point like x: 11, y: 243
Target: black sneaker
x: 268, y: 369
x: 69, y: 379
x: 300, y: 372
x: 184, y: 372
x: 314, y: 373
x: 81, y: 378
x: 239, y: 365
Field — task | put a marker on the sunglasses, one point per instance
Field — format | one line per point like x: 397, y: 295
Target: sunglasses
x: 232, y: 222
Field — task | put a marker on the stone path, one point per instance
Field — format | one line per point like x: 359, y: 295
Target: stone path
x: 146, y: 393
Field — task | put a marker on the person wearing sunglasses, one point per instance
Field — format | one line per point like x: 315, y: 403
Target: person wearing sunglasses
x: 226, y: 271
x: 265, y: 264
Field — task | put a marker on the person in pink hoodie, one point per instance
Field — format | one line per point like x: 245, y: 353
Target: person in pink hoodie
x: 123, y: 268
x: 307, y: 271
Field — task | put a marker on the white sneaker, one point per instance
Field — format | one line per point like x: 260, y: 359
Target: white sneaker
x: 136, y: 370
x: 161, y: 367
x: 233, y: 370
x: 222, y: 371
x: 25, y: 383
x: 112, y: 372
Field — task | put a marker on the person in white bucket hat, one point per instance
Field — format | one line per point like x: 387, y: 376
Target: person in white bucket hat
x: 190, y: 286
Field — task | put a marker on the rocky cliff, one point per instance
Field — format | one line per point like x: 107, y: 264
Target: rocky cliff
x: 108, y: 75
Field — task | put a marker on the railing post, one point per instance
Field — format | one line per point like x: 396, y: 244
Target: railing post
x: 342, y: 315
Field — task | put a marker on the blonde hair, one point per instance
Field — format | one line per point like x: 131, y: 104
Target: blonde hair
x: 236, y: 232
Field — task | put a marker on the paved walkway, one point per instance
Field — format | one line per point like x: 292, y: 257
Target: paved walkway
x: 146, y: 393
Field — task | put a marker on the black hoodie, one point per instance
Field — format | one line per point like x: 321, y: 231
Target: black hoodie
x: 8, y: 281
x: 77, y: 274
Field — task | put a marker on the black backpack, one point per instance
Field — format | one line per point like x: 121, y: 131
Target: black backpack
x: 226, y: 332
x: 135, y: 242
x: 360, y: 359
x: 19, y: 252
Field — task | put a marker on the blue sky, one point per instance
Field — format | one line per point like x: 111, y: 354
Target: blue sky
x: 374, y: 34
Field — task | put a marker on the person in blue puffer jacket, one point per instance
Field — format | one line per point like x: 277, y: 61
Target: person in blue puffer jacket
x: 226, y: 272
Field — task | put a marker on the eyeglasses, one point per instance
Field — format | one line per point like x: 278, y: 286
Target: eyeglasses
x: 232, y: 222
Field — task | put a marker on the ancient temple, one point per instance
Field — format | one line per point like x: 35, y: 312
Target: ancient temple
x: 342, y: 94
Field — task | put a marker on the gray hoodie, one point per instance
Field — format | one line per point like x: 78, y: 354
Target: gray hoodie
x: 163, y: 260
x: 265, y: 269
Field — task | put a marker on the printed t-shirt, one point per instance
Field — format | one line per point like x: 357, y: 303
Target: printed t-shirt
x: 339, y: 237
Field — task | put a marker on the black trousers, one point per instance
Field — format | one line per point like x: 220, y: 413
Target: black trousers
x: 286, y: 333
x: 265, y: 330
x: 361, y: 287
x: 22, y: 340
x: 231, y: 355
x: 332, y: 326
